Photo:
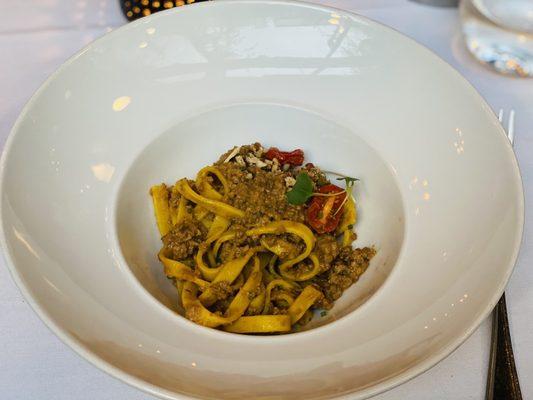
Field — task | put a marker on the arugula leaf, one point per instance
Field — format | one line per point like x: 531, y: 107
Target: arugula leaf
x: 302, y: 189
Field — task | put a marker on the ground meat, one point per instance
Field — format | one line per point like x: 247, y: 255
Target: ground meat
x: 252, y: 294
x: 301, y: 268
x: 255, y: 149
x: 306, y: 318
x: 237, y: 247
x: 221, y: 290
x: 184, y: 238
x: 262, y: 197
x: 278, y: 311
x: 258, y: 187
x: 221, y: 306
x: 345, y: 270
x: 174, y: 199
x: 326, y: 249
x: 316, y: 175
x: 285, y: 243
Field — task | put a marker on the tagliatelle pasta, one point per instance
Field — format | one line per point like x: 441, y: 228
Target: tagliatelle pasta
x: 257, y: 242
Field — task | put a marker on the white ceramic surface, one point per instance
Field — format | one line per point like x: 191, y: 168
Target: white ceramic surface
x: 79, y: 138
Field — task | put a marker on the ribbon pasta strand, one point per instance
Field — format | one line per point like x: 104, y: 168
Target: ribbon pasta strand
x: 240, y: 250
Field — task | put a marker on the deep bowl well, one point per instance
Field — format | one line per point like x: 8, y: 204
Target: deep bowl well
x: 211, y: 133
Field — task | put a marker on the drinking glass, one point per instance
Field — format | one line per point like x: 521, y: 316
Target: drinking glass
x: 499, y: 33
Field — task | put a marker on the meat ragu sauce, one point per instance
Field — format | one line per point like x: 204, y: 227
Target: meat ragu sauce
x: 298, y: 241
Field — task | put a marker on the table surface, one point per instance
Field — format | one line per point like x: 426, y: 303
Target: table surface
x: 36, y: 36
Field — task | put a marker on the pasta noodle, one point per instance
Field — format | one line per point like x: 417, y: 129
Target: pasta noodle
x: 162, y: 211
x: 228, y: 273
x: 260, y: 324
x: 215, y: 206
x: 245, y: 260
x: 180, y: 271
x: 196, y: 311
x: 349, y: 217
x: 295, y: 228
x: 303, y: 302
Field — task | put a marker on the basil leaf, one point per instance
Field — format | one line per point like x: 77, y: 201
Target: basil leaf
x: 302, y: 189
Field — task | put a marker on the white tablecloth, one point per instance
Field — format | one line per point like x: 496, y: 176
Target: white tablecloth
x: 36, y: 36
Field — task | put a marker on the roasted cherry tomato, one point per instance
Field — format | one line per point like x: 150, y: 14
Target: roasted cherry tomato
x: 295, y: 157
x: 323, y: 214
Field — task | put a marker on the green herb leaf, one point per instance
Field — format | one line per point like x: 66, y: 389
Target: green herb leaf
x: 323, y: 313
x: 349, y: 180
x: 302, y: 189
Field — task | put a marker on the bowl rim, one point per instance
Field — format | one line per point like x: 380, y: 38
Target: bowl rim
x: 147, y: 387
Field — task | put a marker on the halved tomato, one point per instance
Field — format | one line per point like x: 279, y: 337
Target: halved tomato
x: 323, y: 214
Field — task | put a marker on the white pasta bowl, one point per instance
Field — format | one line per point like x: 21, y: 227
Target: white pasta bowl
x: 440, y: 195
